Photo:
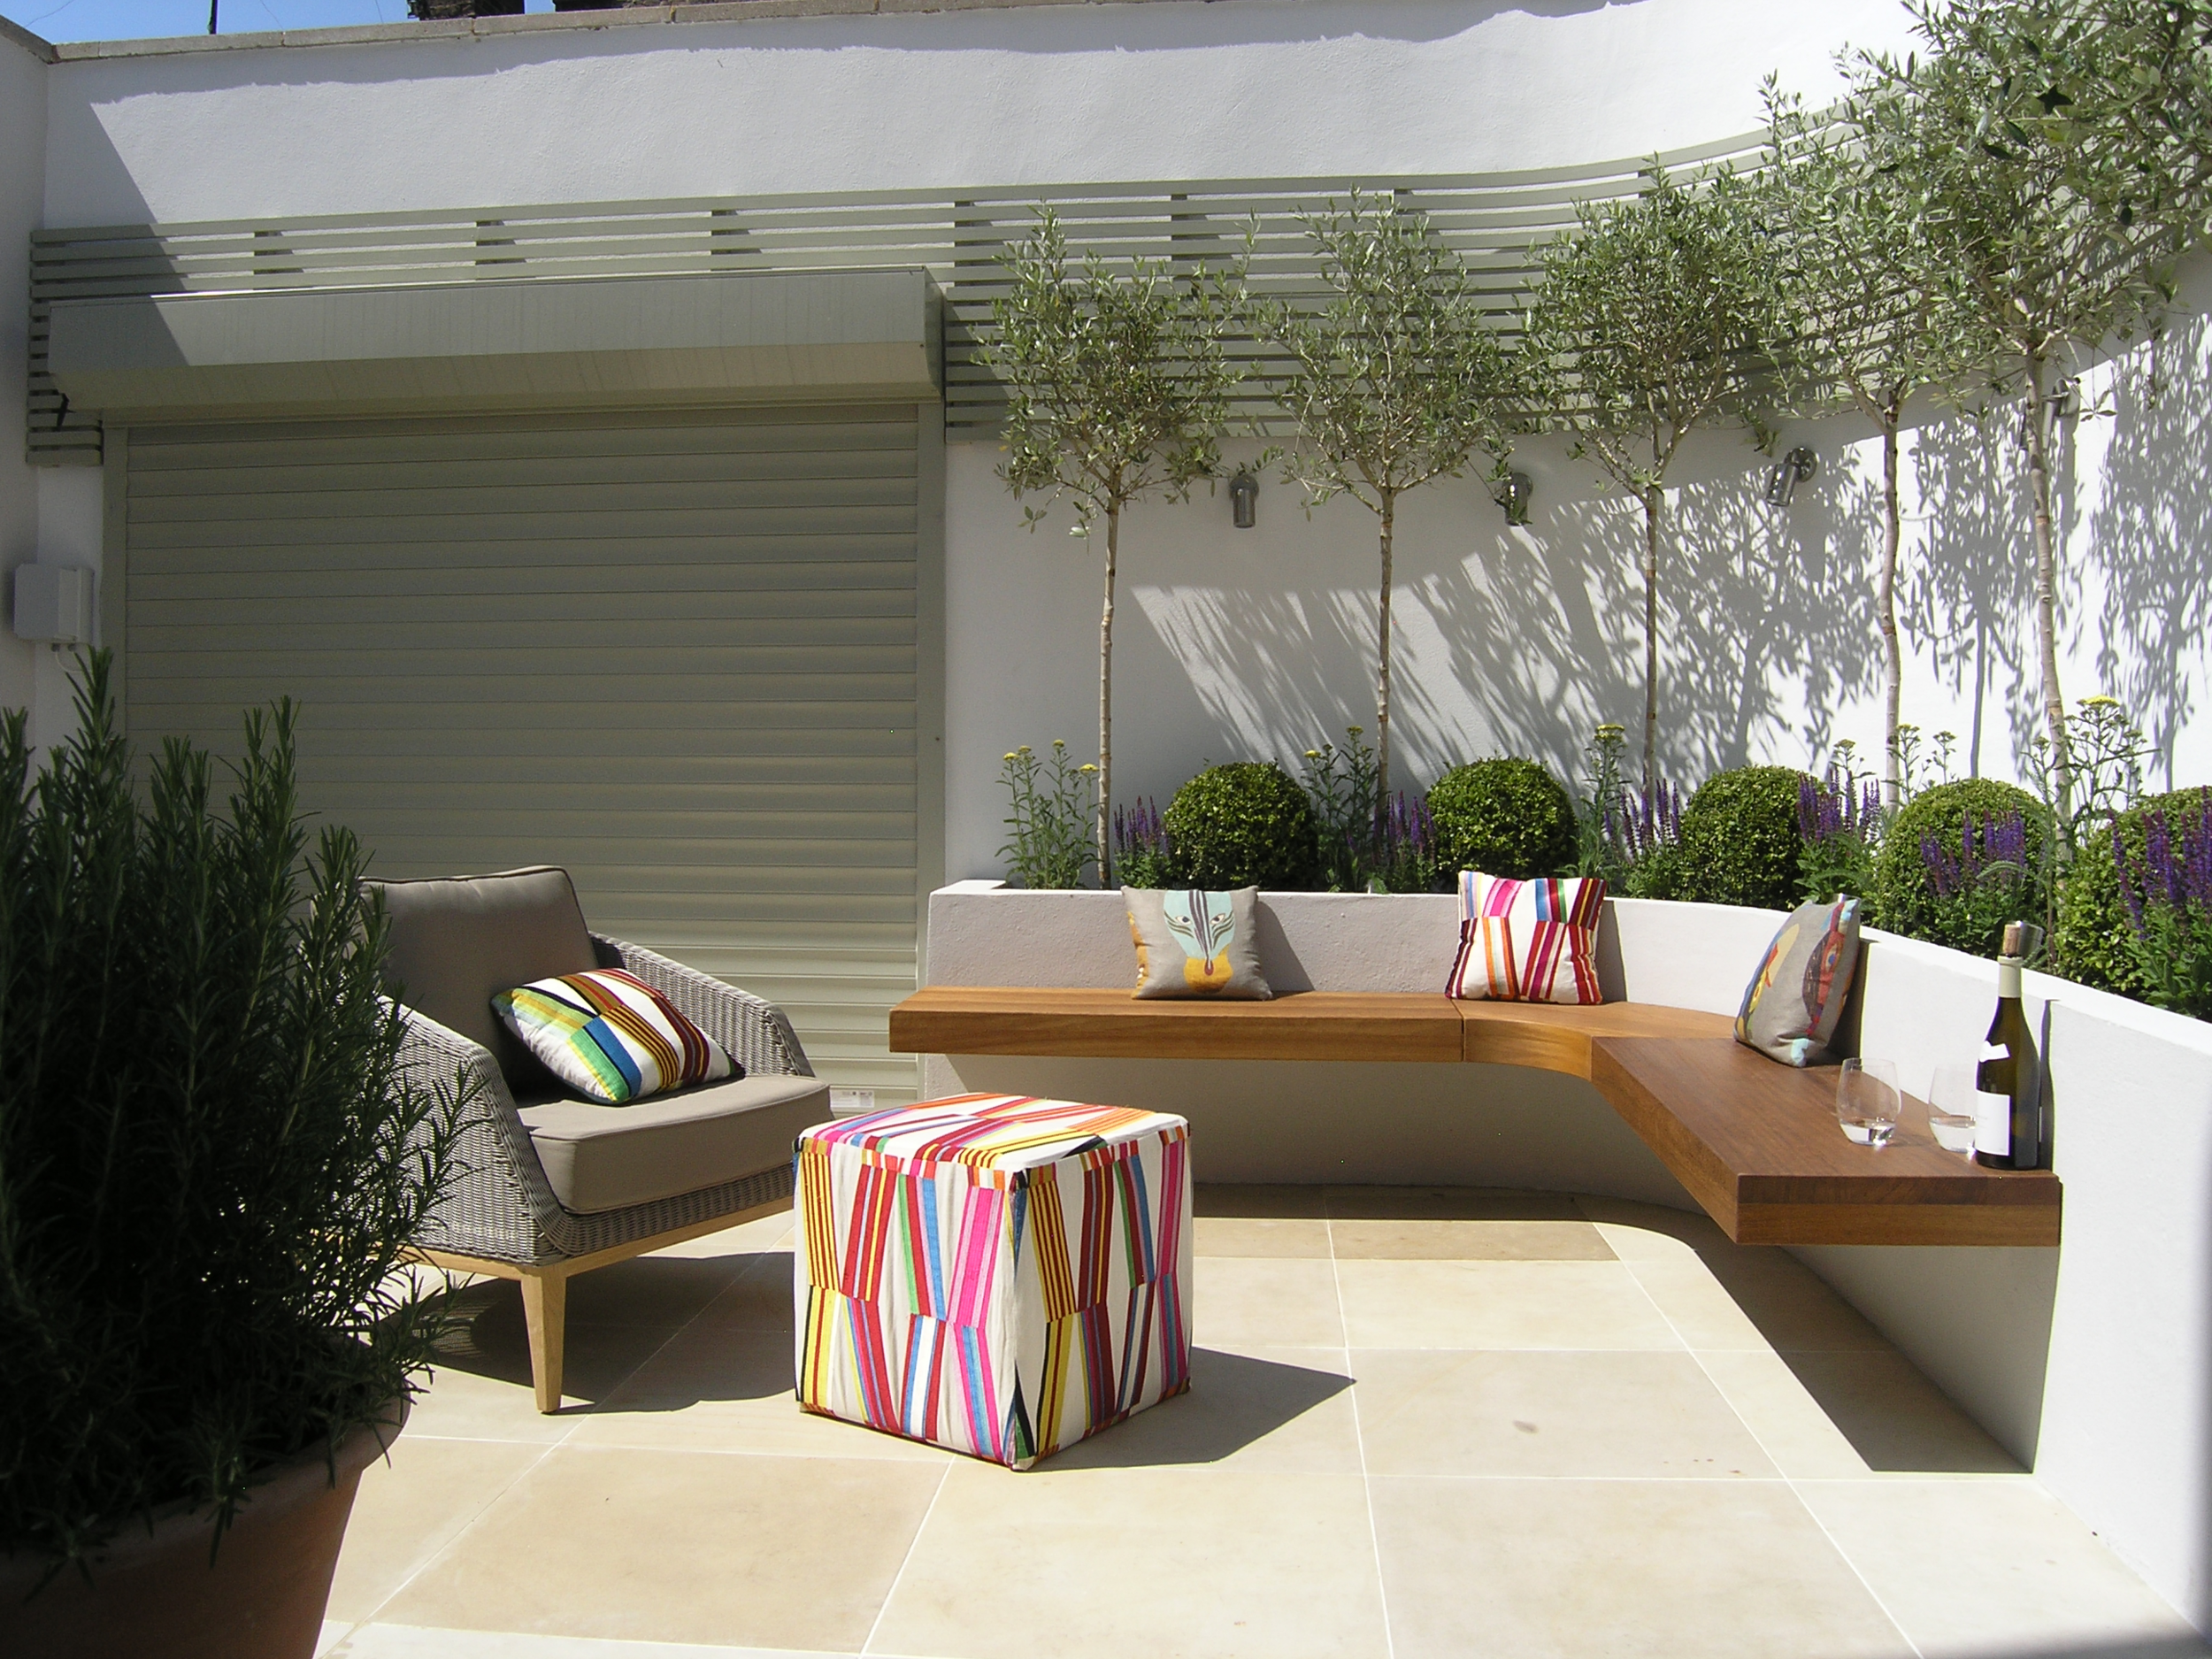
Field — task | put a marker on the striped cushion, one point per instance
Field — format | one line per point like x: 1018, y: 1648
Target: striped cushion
x: 1527, y: 942
x: 609, y: 1035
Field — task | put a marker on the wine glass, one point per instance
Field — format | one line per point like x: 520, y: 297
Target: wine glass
x: 1867, y: 1101
x: 1953, y: 1100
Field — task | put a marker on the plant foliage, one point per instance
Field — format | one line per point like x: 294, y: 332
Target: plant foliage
x: 2167, y: 891
x: 1398, y: 380
x: 1504, y: 816
x: 1117, y: 385
x: 1651, y: 320
x: 2059, y: 150
x: 2089, y: 944
x: 1144, y: 852
x: 210, y: 1164
x: 1739, y: 842
x: 1840, y: 820
x: 1054, y: 805
x: 1341, y: 786
x: 1245, y: 824
x: 1863, y: 317
x: 1989, y: 865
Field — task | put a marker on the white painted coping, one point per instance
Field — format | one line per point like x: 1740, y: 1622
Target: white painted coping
x: 2092, y: 1363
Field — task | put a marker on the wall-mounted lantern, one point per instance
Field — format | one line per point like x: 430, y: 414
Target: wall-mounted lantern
x: 1514, y: 492
x: 1244, y: 500
x: 53, y: 604
x: 1787, y: 475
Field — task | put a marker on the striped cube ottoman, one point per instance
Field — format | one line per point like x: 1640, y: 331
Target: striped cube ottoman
x: 994, y: 1273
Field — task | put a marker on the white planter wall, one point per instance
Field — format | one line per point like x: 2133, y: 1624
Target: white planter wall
x: 2092, y: 1363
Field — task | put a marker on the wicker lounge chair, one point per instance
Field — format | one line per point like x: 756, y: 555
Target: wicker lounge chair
x: 554, y: 1185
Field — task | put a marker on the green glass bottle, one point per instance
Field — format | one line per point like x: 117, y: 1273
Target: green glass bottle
x: 2008, y: 1124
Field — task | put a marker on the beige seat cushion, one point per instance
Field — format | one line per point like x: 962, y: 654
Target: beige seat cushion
x: 458, y: 942
x: 607, y: 1157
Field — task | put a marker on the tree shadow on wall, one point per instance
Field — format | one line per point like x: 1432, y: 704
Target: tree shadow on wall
x: 1265, y: 665
x: 1966, y: 578
x: 1766, y: 622
x: 2151, y: 530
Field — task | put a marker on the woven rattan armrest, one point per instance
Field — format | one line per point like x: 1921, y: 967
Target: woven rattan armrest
x: 756, y: 1033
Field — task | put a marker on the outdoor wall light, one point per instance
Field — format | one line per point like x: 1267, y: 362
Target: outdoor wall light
x: 1787, y: 475
x: 1244, y: 500
x: 1514, y: 492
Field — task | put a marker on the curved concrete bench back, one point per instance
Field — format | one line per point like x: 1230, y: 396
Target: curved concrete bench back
x: 2093, y: 1363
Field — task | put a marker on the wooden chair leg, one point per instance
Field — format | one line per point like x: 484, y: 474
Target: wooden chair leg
x: 545, y: 1312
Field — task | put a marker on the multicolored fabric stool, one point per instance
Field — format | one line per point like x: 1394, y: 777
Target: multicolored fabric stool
x: 994, y: 1273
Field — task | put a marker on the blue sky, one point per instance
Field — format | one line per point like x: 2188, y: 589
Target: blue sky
x: 142, y: 19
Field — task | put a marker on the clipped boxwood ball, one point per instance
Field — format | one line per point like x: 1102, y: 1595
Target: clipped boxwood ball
x: 1904, y: 901
x: 2091, y: 947
x: 1740, y: 840
x: 1247, y: 824
x: 1505, y: 817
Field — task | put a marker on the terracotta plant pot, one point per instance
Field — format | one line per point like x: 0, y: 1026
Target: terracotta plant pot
x: 154, y: 1595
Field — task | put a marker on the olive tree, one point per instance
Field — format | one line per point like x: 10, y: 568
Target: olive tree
x: 1117, y: 386
x: 1863, y: 319
x: 2059, y: 149
x: 1649, y: 321
x: 1397, y: 378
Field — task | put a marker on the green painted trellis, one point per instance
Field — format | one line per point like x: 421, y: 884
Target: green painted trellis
x: 1494, y: 219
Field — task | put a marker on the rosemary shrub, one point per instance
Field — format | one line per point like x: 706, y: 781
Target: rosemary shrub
x: 211, y: 1163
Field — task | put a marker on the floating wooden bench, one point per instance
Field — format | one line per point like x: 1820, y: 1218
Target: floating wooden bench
x: 1755, y: 1143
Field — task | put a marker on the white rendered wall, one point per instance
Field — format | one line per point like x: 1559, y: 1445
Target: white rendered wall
x: 22, y: 185
x: 1043, y: 94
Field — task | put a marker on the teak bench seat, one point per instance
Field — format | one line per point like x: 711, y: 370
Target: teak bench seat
x: 1753, y: 1142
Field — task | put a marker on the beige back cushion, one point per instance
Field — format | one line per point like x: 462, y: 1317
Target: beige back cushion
x: 457, y: 942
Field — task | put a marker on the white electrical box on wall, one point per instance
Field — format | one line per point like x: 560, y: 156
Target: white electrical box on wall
x: 53, y: 604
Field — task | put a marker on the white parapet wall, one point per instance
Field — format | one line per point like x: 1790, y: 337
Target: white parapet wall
x: 2092, y: 1363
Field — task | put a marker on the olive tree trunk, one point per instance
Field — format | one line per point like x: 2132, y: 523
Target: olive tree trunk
x: 1654, y: 500
x: 2047, y: 596
x: 1106, y: 696
x: 1389, y: 511
x: 1893, y: 657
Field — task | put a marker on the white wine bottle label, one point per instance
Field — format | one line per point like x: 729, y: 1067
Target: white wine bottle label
x: 1992, y: 1112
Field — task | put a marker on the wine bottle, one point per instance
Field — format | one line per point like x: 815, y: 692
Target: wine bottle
x: 2009, y: 1126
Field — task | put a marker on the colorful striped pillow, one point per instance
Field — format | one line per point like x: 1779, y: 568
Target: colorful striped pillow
x: 1527, y: 942
x: 610, y: 1035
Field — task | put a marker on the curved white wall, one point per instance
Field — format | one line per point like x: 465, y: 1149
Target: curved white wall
x: 1032, y: 94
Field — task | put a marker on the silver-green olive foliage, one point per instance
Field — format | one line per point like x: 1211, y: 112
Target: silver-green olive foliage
x: 1397, y: 377
x: 2058, y: 150
x: 1117, y: 384
x: 1650, y: 322
x: 1865, y: 314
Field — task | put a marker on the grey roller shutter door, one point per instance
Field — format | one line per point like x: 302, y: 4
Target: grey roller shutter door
x: 673, y: 652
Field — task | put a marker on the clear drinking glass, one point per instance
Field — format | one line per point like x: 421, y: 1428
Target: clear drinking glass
x: 1867, y: 1101
x: 1952, y: 1101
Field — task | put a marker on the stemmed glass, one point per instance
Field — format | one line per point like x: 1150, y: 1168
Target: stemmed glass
x: 1867, y: 1101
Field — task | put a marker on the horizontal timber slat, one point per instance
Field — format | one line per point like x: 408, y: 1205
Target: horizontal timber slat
x: 1753, y: 1142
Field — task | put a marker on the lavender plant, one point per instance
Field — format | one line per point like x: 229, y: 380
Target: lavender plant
x: 1144, y: 852
x: 2169, y: 897
x: 1409, y: 859
x: 1840, y: 820
x: 1643, y: 828
x: 1986, y: 880
x: 1055, y: 807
